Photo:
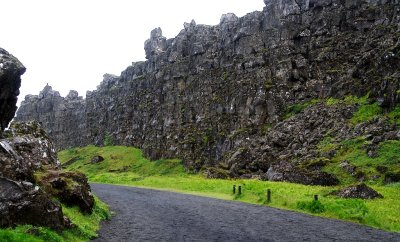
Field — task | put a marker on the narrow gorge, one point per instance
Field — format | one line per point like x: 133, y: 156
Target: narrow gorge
x: 252, y: 97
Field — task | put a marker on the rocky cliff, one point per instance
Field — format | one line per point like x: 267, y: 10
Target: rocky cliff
x: 220, y: 95
x: 63, y: 118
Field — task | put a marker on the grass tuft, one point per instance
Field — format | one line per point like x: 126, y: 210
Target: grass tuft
x: 366, y: 112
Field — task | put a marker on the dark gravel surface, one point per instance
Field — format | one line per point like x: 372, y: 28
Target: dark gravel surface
x: 150, y: 215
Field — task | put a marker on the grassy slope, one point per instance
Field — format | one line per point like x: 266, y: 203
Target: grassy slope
x: 86, y: 227
x: 126, y: 165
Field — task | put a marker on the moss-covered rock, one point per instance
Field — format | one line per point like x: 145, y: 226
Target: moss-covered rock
x: 70, y: 188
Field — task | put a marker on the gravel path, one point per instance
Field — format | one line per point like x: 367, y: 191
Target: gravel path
x: 150, y: 215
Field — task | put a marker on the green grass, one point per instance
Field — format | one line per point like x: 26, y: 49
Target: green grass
x: 118, y: 159
x: 394, y: 115
x: 366, y: 112
x: 353, y: 151
x: 298, y: 107
x: 28, y: 233
x: 170, y: 175
x: 348, y: 100
x: 86, y: 227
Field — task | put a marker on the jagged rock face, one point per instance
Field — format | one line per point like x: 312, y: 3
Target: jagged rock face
x: 66, y: 116
x: 212, y: 90
x: 28, y: 168
x: 10, y: 81
x: 26, y: 152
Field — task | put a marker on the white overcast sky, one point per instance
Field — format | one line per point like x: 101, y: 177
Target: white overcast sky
x: 70, y: 44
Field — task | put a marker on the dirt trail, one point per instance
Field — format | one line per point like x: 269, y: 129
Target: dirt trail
x: 149, y: 215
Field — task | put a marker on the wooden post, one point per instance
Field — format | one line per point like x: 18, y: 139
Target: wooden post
x: 234, y: 189
x: 315, y: 197
x: 240, y: 190
x: 268, y: 195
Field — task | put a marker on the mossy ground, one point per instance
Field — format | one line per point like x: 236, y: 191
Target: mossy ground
x: 127, y: 166
x: 86, y: 227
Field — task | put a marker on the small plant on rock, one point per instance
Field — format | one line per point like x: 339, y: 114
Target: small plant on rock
x: 108, y: 141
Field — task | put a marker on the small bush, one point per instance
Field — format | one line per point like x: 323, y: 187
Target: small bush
x: 108, y: 141
x: 313, y: 207
x: 394, y: 115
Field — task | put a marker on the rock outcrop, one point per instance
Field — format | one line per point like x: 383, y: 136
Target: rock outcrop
x: 71, y: 188
x: 359, y: 191
x: 26, y: 154
x: 22, y: 203
x: 31, y: 177
x: 217, y: 95
x: 10, y: 81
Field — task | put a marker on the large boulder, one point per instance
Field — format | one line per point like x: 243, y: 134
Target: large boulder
x: 23, y: 203
x: 285, y: 171
x: 25, y: 156
x: 70, y: 187
x: 359, y: 191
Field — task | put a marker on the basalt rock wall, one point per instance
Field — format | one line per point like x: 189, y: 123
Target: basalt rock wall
x: 212, y: 93
x: 63, y: 118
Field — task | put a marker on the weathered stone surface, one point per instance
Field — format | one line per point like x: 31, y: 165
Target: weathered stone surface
x: 214, y: 90
x: 10, y: 81
x: 359, y: 191
x: 30, y: 176
x: 66, y: 115
x: 25, y: 204
x: 70, y: 187
x: 26, y: 152
x: 287, y: 172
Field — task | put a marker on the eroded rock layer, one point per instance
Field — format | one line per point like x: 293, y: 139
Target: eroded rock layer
x: 217, y: 94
